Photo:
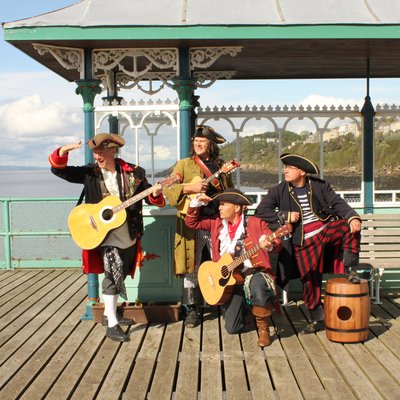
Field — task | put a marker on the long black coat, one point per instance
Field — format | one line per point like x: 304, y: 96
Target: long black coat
x: 325, y: 203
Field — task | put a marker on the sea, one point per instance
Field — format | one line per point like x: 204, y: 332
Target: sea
x: 41, y: 183
x: 35, y: 184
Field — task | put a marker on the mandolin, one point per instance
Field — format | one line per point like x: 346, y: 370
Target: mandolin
x: 225, y: 169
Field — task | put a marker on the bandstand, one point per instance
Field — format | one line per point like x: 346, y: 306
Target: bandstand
x: 106, y: 47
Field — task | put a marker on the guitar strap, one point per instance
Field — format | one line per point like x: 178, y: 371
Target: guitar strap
x: 215, y: 182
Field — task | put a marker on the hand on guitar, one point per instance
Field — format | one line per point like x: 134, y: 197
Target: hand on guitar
x: 266, y: 242
x: 157, y: 190
x: 69, y: 147
x: 196, y: 187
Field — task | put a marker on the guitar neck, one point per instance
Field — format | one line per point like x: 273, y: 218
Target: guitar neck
x: 134, y: 199
x: 211, y: 177
x: 248, y: 254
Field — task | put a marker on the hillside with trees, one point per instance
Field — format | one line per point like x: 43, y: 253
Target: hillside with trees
x: 342, y: 158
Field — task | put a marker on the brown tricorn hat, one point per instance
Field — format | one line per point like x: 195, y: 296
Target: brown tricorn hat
x: 106, y: 141
x: 300, y: 162
x: 234, y: 196
x: 208, y: 133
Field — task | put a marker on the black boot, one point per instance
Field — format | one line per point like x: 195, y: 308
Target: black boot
x: 117, y: 334
x: 316, y: 320
x: 352, y: 275
x: 191, y: 300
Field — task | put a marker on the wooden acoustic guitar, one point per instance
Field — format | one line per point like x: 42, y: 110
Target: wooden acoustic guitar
x: 226, y: 169
x: 89, y: 224
x: 216, y: 278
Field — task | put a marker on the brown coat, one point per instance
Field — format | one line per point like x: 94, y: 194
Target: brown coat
x: 184, y: 249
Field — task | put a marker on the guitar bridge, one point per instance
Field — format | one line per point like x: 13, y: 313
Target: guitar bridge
x: 210, y: 280
x: 93, y: 223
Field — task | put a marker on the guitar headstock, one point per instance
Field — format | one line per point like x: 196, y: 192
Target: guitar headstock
x: 173, y: 178
x: 230, y: 166
x: 284, y: 230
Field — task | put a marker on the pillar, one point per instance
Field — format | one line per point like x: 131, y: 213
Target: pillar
x: 185, y: 86
x: 88, y: 89
x: 368, y: 114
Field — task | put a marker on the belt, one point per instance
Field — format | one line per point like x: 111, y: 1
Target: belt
x: 249, y: 271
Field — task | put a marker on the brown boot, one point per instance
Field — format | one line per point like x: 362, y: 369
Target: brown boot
x: 262, y: 314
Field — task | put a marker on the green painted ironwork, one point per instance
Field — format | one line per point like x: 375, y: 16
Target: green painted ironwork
x: 340, y: 31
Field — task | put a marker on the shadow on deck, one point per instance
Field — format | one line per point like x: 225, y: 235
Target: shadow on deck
x: 47, y: 352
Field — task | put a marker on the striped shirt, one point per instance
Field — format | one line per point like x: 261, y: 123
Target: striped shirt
x: 308, y: 215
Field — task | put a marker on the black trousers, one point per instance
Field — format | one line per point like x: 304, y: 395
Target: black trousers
x: 234, y: 310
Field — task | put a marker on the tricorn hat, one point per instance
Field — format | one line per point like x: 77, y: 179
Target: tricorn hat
x: 208, y: 133
x: 300, y: 162
x: 234, y: 196
x: 106, y: 141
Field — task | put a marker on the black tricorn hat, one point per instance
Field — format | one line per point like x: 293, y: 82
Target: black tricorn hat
x: 234, y: 196
x: 208, y: 133
x: 300, y: 162
x: 106, y: 141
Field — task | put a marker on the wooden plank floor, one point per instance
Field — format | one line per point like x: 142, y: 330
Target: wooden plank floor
x: 47, y: 352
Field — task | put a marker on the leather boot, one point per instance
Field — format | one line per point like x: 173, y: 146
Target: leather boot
x: 191, y: 300
x: 261, y: 315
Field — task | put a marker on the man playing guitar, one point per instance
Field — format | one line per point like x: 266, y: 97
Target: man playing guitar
x: 233, y: 232
x: 117, y: 254
x: 192, y: 247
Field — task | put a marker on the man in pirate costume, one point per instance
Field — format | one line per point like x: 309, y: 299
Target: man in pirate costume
x: 119, y: 252
x: 233, y: 232
x: 326, y: 230
x: 193, y: 247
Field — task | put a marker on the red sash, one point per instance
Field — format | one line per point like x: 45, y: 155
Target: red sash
x: 215, y: 182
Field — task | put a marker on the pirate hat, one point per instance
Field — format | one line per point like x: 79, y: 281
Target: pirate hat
x: 300, y: 162
x: 106, y: 141
x: 234, y: 196
x: 207, y: 132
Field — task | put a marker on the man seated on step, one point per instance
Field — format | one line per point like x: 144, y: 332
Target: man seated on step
x: 326, y: 230
x: 118, y: 253
x: 233, y: 232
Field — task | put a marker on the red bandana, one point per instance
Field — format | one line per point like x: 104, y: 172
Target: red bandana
x: 232, y: 228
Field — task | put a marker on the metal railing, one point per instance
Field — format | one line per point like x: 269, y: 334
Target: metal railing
x: 34, y: 232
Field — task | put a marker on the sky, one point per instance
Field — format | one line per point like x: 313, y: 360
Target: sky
x: 39, y: 111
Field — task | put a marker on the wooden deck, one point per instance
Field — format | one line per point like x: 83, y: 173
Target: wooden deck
x: 47, y: 352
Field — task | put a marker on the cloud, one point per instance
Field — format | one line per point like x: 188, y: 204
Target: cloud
x: 30, y: 118
x: 316, y: 99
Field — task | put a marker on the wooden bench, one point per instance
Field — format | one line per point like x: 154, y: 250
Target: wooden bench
x: 380, y: 248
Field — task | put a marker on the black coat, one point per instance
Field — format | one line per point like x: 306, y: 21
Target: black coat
x: 326, y: 205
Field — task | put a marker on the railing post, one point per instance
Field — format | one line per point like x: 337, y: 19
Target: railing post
x: 7, y: 233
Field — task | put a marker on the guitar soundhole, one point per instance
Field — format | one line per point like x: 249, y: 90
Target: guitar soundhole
x: 107, y: 214
x: 224, y: 271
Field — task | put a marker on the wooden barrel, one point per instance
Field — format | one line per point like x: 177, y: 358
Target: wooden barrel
x: 347, y: 308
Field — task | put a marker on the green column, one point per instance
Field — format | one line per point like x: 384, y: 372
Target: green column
x: 88, y: 89
x: 185, y: 89
x: 185, y: 86
x: 368, y: 114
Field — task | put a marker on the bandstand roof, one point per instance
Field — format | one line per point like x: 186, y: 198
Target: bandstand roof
x: 279, y: 39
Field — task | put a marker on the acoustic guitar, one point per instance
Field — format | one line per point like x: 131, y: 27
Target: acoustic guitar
x: 226, y: 169
x: 216, y: 278
x: 89, y: 224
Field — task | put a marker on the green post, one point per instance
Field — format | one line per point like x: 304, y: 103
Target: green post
x: 185, y: 89
x: 368, y: 114
x: 7, y: 231
x: 88, y: 89
x: 185, y: 86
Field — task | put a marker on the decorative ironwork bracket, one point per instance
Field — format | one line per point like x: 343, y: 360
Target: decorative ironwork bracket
x: 68, y: 57
x: 204, y: 57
